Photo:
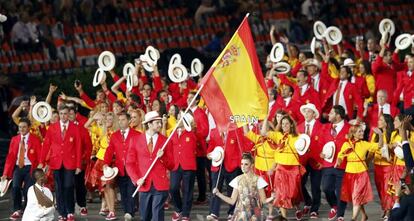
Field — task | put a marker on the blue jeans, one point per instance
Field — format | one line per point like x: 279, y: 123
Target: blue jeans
x: 331, y: 186
x: 224, y: 176
x: 187, y: 178
x: 126, y: 189
x: 151, y: 204
x: 64, y: 188
x: 20, y: 175
x: 315, y: 178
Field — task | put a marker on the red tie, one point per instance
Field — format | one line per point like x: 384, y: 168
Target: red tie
x: 22, y: 151
x: 307, y: 130
x: 333, y: 131
x: 123, y: 135
x: 150, y: 145
x: 63, y: 131
x: 381, y: 111
x: 338, y: 92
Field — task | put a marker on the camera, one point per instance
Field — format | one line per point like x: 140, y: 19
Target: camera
x: 77, y: 83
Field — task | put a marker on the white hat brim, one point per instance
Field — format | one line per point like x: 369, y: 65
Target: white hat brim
x: 4, y: 186
x: 333, y: 35
x: 302, y: 144
x: 309, y: 106
x: 103, y: 57
x: 104, y: 178
x: 187, y: 120
x: 277, y: 52
x: 403, y: 41
x: 329, y: 151
x: 399, y: 152
x: 152, y: 54
x: 382, y: 25
x: 99, y: 77
x: 177, y: 73
x: 282, y: 68
x: 219, y: 151
x: 35, y: 112
x: 129, y: 68
x: 318, y: 29
x: 196, y: 67
x: 175, y: 59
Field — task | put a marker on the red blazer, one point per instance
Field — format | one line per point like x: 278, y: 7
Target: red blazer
x: 405, y: 84
x: 119, y: 148
x: 324, y: 82
x: 293, y: 109
x: 313, y: 155
x: 201, y: 131
x: 339, y: 140
x: 372, y: 114
x: 384, y: 76
x: 362, y: 87
x: 236, y: 144
x: 86, y: 145
x: 58, y: 151
x: 139, y: 160
x: 310, y: 95
x: 33, y: 153
x: 185, y: 150
x: 351, y: 96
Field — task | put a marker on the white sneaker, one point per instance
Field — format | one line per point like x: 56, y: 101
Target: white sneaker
x: 127, y: 217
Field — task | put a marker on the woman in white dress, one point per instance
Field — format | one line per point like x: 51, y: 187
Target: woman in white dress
x: 40, y: 204
x: 248, y: 192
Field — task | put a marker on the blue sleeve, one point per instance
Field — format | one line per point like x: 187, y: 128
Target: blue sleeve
x: 408, y: 157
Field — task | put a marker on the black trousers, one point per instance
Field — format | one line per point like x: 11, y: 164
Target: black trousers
x: 80, y: 189
x: 64, y: 188
x: 20, y: 175
x: 315, y: 178
x: 182, y: 180
x: 126, y: 189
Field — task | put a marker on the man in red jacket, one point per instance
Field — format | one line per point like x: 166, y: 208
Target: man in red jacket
x: 144, y: 149
x: 119, y: 145
x: 287, y: 103
x: 335, y: 131
x: 311, y: 160
x: 201, y: 120
x: 384, y: 71
x: 62, y: 146
x: 86, y: 145
x: 405, y: 88
x: 23, y: 157
x: 381, y: 107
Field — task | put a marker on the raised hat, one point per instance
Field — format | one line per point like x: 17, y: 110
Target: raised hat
x: 106, y: 61
x: 42, y: 112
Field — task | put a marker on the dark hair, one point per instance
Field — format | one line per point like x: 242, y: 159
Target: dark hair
x: 274, y: 92
x: 71, y: 109
x: 248, y: 156
x: 290, y: 88
x: 177, y: 110
x: 63, y: 107
x: 118, y: 102
x: 292, y: 123
x: 37, y: 173
x: 160, y: 92
x: 388, y: 130
x: 25, y: 120
x: 305, y: 73
x: 348, y: 71
x: 367, y: 66
x: 338, y: 109
x: 124, y: 113
x: 135, y: 98
x: 197, y: 99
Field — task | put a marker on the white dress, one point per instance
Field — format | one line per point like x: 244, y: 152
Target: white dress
x: 35, y: 212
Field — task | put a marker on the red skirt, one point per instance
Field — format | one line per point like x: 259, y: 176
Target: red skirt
x: 287, y: 186
x: 356, y: 188
x: 265, y: 176
x: 93, y: 178
x: 382, y: 176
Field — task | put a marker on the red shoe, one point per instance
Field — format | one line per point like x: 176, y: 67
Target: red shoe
x: 314, y: 215
x: 83, y: 211
x: 166, y: 206
x: 16, y: 215
x: 340, y: 219
x: 103, y: 212
x: 70, y: 217
x: 175, y: 216
x: 332, y: 214
x: 306, y: 210
x: 299, y: 214
x: 110, y: 216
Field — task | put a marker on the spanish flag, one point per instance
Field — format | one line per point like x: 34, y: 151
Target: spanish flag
x: 234, y: 89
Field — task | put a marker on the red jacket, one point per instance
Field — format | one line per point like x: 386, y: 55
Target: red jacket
x: 185, y: 149
x: 405, y: 85
x: 313, y: 156
x: 351, y: 96
x: 310, y: 95
x: 236, y: 144
x: 86, y: 145
x: 372, y: 114
x: 362, y: 87
x: 58, y: 151
x: 139, y: 160
x: 33, y: 153
x: 201, y: 131
x: 293, y: 109
x: 120, y: 149
x: 324, y: 82
x: 384, y: 76
x: 339, y: 140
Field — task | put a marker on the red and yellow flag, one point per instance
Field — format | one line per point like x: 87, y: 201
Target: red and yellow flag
x: 234, y: 88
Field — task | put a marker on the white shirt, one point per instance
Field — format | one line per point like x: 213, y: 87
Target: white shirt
x: 338, y: 126
x: 261, y: 183
x: 287, y: 100
x: 193, y: 109
x: 154, y: 138
x: 341, y: 95
x: 35, y: 212
x: 126, y: 131
x: 26, y: 159
x: 386, y: 109
x: 311, y: 124
x: 270, y: 105
x: 409, y: 73
x: 315, y: 79
x: 303, y: 89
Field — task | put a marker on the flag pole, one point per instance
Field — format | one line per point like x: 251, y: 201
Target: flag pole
x: 169, y: 137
